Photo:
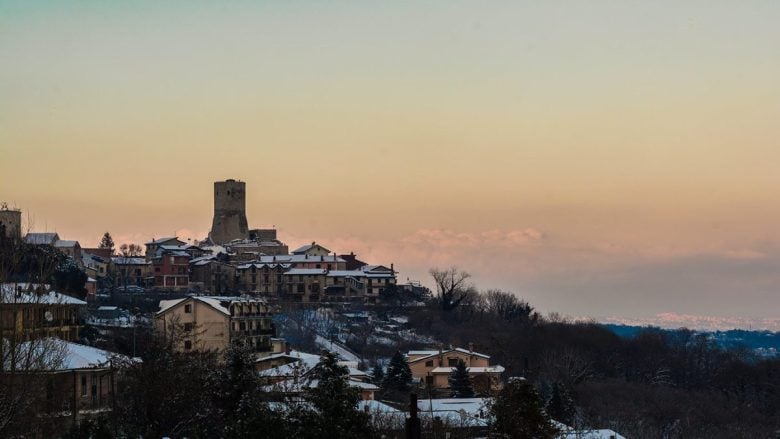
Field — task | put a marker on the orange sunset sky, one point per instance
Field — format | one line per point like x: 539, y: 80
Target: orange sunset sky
x: 600, y: 159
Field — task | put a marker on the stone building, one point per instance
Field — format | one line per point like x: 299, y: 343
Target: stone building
x: 229, y: 212
x: 10, y: 222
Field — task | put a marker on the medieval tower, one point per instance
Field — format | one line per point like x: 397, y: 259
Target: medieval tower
x: 229, y: 212
x: 10, y: 222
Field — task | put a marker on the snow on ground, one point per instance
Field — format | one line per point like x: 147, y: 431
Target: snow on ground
x: 335, y: 347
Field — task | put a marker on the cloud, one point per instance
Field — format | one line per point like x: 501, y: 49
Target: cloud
x: 671, y: 320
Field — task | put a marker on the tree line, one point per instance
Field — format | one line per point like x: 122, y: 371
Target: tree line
x: 658, y: 383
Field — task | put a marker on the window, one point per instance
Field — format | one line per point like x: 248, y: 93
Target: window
x: 83, y: 386
x: 187, y: 345
x: 452, y: 362
x: 188, y: 327
x: 301, y: 288
x: 188, y: 309
x: 429, y: 363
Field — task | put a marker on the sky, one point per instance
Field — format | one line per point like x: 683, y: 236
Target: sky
x: 611, y: 159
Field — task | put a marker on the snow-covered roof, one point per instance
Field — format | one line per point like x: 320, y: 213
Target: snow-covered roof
x: 570, y: 433
x: 107, y: 308
x: 468, y: 411
x: 374, y: 406
x: 53, y: 354
x: 40, y: 238
x: 444, y: 352
x: 489, y: 369
x: 301, y: 362
x: 299, y: 258
x: 304, y: 248
x: 62, y: 243
x: 159, y: 241
x: 306, y: 271
x: 26, y: 293
x: 219, y: 303
x: 261, y: 265
x: 291, y: 386
x: 426, y: 353
x: 129, y: 260
x: 346, y: 273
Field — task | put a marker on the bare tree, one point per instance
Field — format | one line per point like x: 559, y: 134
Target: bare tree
x: 131, y: 250
x: 507, y: 306
x: 452, y: 287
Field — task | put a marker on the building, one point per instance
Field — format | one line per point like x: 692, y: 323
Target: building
x: 70, y: 248
x: 30, y: 311
x: 10, y: 222
x: 95, y: 266
x: 262, y: 278
x: 434, y: 367
x: 212, y: 276
x: 312, y: 249
x: 133, y: 270
x: 80, y: 380
x: 215, y: 323
x: 171, y: 270
x: 154, y: 245
x: 229, y: 221
x: 292, y: 373
x: 45, y: 238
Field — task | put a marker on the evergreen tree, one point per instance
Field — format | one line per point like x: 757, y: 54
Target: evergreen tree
x: 378, y: 374
x: 519, y: 413
x: 107, y: 242
x: 561, y: 406
x: 336, y: 403
x: 460, y: 383
x: 399, y: 376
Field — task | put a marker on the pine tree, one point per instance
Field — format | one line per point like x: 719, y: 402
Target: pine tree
x: 460, y: 383
x: 399, y: 376
x: 107, y: 242
x: 378, y: 374
x: 561, y: 406
x: 335, y: 402
x: 519, y: 413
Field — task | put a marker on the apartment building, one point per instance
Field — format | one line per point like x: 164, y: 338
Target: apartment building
x: 217, y: 322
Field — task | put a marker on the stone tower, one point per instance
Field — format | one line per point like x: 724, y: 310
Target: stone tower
x: 229, y: 212
x: 10, y: 222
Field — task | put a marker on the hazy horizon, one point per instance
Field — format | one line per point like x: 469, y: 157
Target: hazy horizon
x: 611, y: 159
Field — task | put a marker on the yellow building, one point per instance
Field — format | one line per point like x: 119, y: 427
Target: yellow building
x: 434, y: 367
x: 215, y: 323
x: 31, y: 311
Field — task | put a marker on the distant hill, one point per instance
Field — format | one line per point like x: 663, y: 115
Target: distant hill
x: 764, y: 342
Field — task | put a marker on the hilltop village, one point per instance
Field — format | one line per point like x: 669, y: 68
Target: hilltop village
x: 227, y: 335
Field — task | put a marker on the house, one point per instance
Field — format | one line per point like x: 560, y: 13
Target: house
x: 31, y: 311
x: 212, y: 276
x: 95, y: 266
x: 312, y: 249
x: 80, y: 380
x: 215, y: 323
x: 434, y: 367
x: 133, y: 270
x: 456, y: 412
x: 69, y: 248
x: 264, y: 278
x: 154, y: 244
x: 292, y: 373
x: 171, y: 270
x: 46, y: 238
